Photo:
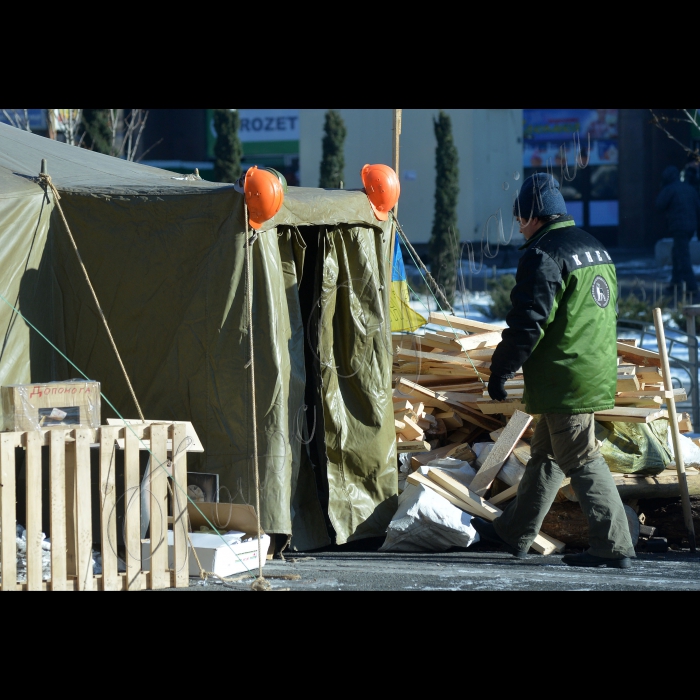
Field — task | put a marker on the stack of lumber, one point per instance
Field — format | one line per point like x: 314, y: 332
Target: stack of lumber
x: 442, y: 408
x: 454, y: 365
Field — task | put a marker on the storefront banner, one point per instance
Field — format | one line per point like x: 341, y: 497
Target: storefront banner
x: 548, y: 125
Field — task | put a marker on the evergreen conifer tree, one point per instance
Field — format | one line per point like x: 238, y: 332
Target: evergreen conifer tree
x: 444, y: 237
x: 98, y: 135
x: 227, y: 149
x: 333, y: 160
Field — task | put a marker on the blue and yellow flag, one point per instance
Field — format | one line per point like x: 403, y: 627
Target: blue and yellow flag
x: 403, y: 317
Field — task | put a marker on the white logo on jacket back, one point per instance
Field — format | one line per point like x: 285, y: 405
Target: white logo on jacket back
x: 600, y: 291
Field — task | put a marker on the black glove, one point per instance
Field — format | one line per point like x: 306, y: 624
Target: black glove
x: 497, y: 388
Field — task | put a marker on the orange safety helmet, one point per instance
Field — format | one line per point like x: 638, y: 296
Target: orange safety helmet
x: 382, y: 188
x: 263, y: 195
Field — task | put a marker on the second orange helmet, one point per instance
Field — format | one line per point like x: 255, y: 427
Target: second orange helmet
x: 382, y: 188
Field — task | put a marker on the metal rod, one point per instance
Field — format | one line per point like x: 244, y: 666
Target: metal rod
x: 675, y: 432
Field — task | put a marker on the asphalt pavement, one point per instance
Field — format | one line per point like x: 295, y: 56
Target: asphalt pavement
x: 476, y: 569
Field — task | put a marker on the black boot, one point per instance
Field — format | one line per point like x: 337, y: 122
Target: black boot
x: 586, y: 559
x: 488, y: 532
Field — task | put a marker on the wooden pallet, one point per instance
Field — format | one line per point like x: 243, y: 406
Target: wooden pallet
x: 71, y: 509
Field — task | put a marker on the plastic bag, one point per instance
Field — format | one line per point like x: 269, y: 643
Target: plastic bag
x: 427, y: 522
x: 635, y: 448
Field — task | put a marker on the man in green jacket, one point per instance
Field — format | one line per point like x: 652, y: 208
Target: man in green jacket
x: 562, y: 332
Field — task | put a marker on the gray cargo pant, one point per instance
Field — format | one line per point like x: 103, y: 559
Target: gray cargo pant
x: 565, y: 445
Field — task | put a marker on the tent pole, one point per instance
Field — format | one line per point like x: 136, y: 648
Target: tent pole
x: 396, y: 132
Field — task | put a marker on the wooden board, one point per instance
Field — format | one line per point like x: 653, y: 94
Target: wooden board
x: 444, y: 359
x: 192, y: 441
x: 420, y: 460
x: 411, y: 430
x: 512, y: 393
x: 108, y: 508
x: 158, y: 486
x: 622, y: 414
x: 132, y: 507
x: 83, y: 511
x: 627, y: 382
x: 479, y: 506
x: 505, y: 408
x: 33, y: 524
x: 181, y: 573
x: 507, y: 440
x: 685, y: 425
x: 542, y: 543
x: 413, y: 446
x: 522, y: 452
x: 461, y: 397
x: 638, y: 356
x: 475, y: 417
x: 641, y: 402
x: 8, y: 517
x: 405, y: 387
x: 506, y: 495
x: 462, y: 324
x: 488, y: 339
x: 431, y: 340
x: 70, y: 490
x: 649, y: 375
x: 678, y: 394
x: 463, y: 452
x: 417, y: 479
x: 57, y: 506
x: 451, y: 419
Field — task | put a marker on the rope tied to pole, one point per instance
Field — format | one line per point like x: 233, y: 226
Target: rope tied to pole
x: 46, y: 183
x: 260, y: 584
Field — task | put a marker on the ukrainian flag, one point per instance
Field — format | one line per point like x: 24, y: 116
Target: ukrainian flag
x: 403, y: 317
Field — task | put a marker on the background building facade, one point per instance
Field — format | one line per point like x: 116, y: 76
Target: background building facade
x: 613, y: 196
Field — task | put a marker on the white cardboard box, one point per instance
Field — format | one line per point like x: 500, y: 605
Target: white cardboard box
x: 215, y: 555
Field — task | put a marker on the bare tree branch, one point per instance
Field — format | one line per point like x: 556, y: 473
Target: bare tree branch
x: 143, y: 155
x: 658, y: 122
x: 18, y: 119
x: 142, y: 126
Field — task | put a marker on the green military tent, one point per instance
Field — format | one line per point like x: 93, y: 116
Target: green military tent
x: 165, y: 255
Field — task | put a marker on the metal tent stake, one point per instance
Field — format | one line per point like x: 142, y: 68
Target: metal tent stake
x: 675, y: 432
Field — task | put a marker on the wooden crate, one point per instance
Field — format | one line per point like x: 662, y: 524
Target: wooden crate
x: 71, y: 506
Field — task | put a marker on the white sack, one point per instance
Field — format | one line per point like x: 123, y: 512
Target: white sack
x: 689, y: 450
x: 427, y: 522
x: 456, y: 468
x: 512, y: 470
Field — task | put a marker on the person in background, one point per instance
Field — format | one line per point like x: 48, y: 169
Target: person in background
x: 692, y: 175
x: 562, y: 331
x: 680, y: 203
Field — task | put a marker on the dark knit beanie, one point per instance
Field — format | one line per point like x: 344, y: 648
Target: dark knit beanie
x: 539, y: 196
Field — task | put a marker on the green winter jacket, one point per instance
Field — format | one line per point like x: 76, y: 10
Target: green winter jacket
x: 562, y: 327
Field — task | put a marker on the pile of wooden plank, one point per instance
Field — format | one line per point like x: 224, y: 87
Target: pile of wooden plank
x: 442, y: 408
x: 452, y: 367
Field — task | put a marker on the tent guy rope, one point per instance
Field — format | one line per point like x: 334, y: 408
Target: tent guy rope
x: 45, y: 181
x: 260, y: 584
